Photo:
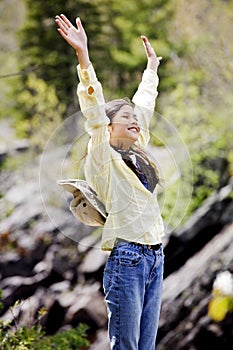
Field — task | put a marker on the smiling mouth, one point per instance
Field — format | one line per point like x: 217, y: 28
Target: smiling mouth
x: 134, y: 128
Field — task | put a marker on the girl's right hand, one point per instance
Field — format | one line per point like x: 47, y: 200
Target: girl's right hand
x: 75, y: 37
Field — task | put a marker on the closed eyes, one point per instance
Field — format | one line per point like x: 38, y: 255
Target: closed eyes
x: 127, y: 116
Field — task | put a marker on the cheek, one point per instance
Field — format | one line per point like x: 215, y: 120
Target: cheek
x: 115, y: 129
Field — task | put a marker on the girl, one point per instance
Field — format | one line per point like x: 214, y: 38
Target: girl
x: 124, y: 178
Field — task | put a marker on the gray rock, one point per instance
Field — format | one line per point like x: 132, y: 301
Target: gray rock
x: 186, y: 294
x: 102, y: 341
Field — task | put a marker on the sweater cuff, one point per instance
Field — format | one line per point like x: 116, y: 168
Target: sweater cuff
x: 87, y: 76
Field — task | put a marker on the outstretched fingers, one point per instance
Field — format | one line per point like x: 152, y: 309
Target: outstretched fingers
x: 75, y: 36
x: 79, y: 24
x: 66, y: 21
x: 62, y: 25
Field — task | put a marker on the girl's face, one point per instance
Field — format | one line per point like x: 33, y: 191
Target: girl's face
x: 124, y: 129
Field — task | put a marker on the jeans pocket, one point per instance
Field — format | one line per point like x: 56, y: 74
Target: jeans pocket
x: 130, y: 258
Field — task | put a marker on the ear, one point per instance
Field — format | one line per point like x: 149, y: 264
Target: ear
x: 110, y: 128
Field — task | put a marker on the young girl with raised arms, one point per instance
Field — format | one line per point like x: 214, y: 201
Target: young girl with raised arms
x: 125, y: 180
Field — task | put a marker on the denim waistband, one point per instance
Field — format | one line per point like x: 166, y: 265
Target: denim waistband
x: 148, y: 246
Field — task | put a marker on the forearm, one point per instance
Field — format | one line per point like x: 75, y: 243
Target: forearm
x: 83, y: 58
x: 147, y: 92
x: 144, y: 100
x: 89, y: 90
x: 91, y: 98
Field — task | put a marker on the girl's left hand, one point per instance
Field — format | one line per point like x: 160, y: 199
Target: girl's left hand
x: 153, y: 60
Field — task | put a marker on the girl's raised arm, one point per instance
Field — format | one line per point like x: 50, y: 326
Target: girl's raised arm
x: 75, y: 37
x: 146, y: 94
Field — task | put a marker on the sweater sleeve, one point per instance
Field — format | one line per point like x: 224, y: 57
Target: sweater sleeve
x: 91, y: 99
x: 144, y: 100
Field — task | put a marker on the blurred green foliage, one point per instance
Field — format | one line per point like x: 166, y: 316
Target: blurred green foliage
x: 198, y: 103
x: 42, y: 111
x: 34, y: 338
x: 113, y: 30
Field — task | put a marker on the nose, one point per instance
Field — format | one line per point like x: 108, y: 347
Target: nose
x: 133, y: 120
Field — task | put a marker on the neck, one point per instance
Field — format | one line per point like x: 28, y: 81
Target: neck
x: 118, y: 143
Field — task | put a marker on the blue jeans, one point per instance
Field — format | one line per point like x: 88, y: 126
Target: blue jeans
x: 133, y: 278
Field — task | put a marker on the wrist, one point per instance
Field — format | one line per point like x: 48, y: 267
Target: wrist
x: 153, y: 67
x: 83, y: 58
x: 153, y: 63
